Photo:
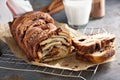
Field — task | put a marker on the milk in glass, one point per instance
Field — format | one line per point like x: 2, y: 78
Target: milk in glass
x: 77, y: 11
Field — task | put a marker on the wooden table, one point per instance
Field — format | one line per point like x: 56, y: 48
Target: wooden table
x: 108, y: 71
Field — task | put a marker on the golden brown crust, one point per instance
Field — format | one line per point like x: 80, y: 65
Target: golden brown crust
x: 24, y: 23
x: 32, y: 16
x: 107, y: 54
x: 89, y: 44
x: 95, y: 48
x: 17, y: 20
x: 32, y: 28
x: 97, y: 59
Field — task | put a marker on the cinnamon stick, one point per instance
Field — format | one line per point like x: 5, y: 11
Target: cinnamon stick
x: 54, y: 2
x: 54, y: 7
x: 57, y: 8
x: 45, y: 9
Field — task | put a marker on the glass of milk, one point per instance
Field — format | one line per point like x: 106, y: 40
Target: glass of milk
x: 77, y: 12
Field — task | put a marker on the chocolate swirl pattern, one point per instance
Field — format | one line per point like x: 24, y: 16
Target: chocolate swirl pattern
x: 38, y: 37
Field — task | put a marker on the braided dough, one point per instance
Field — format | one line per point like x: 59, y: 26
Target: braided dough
x: 38, y: 37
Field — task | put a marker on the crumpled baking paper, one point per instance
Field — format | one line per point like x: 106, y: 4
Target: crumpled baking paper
x: 69, y: 62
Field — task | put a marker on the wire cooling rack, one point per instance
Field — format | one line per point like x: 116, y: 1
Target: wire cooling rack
x: 10, y: 62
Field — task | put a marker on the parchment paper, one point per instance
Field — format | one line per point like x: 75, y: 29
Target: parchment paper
x: 69, y: 63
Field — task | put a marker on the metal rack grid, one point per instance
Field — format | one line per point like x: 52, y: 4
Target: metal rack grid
x: 10, y: 62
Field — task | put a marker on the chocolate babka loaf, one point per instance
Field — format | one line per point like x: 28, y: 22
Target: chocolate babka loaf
x: 95, y: 48
x: 38, y: 37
